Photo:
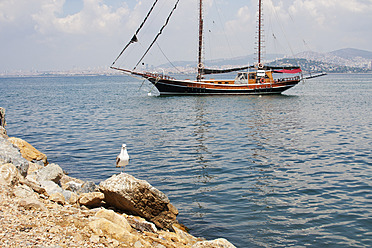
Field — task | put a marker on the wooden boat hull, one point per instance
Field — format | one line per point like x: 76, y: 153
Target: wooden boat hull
x: 188, y: 87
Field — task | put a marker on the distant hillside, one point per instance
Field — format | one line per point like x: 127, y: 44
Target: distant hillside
x: 340, y: 61
x: 309, y: 66
x: 351, y: 53
x: 348, y: 57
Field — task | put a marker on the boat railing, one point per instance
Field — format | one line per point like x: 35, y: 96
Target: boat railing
x: 158, y: 76
x: 288, y: 79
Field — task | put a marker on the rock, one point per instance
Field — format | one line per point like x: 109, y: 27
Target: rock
x: 78, y: 186
x: 141, y: 224
x: 67, y: 194
x: 53, y: 229
x: 169, y: 236
x: 2, y: 123
x: 88, y: 187
x: 29, y: 152
x: 65, y: 179
x: 10, y: 154
x: 34, y: 185
x: 104, y: 227
x: 3, y: 132
x: 52, y: 172
x: 51, y: 187
x: 23, y: 191
x: 33, y: 168
x: 72, y: 186
x: 217, y: 243
x: 93, y: 199
x: 114, y: 217
x: 74, y: 198
x: 57, y: 198
x: 94, y: 239
x: 138, y: 197
x: 31, y: 203
x: 2, y: 117
x: 9, y: 175
x: 185, y: 237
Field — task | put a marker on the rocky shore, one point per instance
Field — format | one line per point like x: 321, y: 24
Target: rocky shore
x: 41, y: 206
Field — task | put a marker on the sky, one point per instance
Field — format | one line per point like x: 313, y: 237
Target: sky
x: 55, y: 35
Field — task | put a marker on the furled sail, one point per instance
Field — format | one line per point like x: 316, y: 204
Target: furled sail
x: 277, y: 69
x: 206, y: 71
x: 293, y: 71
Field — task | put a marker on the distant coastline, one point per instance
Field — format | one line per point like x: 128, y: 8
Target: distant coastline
x: 82, y: 74
x: 346, y: 60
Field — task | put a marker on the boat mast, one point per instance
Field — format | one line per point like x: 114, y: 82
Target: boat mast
x: 200, y: 53
x: 260, y: 40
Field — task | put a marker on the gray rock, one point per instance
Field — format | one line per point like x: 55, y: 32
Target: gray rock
x: 51, y: 187
x: 73, y: 186
x: 52, y: 172
x: 138, y: 197
x: 67, y: 194
x: 38, y: 162
x: 88, y: 187
x: 81, y: 188
x: 10, y: 154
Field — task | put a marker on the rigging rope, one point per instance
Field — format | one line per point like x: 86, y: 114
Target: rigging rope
x: 134, y: 38
x: 157, y: 36
x: 170, y: 62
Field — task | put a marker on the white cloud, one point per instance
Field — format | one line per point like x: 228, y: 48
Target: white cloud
x: 16, y: 13
x: 94, y: 17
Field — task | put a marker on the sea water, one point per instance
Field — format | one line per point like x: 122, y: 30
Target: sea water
x: 290, y: 170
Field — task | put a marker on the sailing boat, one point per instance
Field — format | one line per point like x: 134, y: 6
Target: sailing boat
x: 254, y: 79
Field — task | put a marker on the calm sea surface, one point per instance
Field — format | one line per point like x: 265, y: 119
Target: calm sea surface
x: 272, y: 171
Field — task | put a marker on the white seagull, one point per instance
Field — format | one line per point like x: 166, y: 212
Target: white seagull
x: 123, y: 158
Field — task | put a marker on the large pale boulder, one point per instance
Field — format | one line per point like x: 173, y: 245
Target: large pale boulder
x: 138, y: 197
x: 28, y: 151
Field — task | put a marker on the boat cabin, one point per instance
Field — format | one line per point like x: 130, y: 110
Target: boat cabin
x: 259, y: 76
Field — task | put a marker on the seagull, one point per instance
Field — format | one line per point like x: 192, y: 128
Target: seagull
x: 123, y: 158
